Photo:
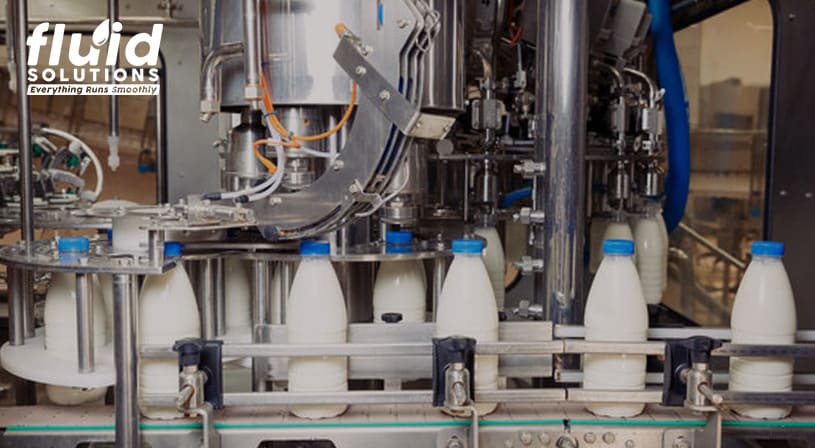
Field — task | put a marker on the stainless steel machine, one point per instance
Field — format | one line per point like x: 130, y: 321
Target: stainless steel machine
x: 346, y: 119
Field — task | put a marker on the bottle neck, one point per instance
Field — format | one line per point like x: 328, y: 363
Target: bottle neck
x: 767, y: 258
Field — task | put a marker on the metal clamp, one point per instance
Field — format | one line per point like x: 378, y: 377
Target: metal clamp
x: 528, y: 216
x: 529, y: 265
x: 529, y: 169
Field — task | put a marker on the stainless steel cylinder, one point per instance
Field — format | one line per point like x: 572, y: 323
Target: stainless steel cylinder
x: 205, y: 292
x: 439, y: 274
x: 445, y: 76
x: 241, y: 168
x: 560, y: 142
x: 261, y: 287
x: 84, y: 323
x: 125, y: 350
x: 219, y: 288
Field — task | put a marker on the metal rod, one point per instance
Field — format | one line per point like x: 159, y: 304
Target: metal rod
x: 218, y: 286
x: 439, y: 274
x: 560, y: 143
x: 84, y: 323
x: 732, y: 259
x: 162, y: 162
x: 287, y: 269
x: 206, y: 297
x: 125, y: 318
x: 615, y: 396
x: 578, y: 331
x: 260, y: 298
x: 387, y: 349
x: 113, y: 105
x: 16, y: 315
x: 251, y: 54
x: 28, y: 303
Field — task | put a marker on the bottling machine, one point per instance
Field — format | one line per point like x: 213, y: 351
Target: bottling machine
x: 350, y: 118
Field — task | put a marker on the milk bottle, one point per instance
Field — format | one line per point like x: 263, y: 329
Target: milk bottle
x: 316, y: 314
x: 651, y: 256
x: 60, y: 325
x: 167, y: 312
x: 493, y: 257
x: 399, y: 286
x: 615, y: 312
x: 467, y: 307
x: 763, y: 313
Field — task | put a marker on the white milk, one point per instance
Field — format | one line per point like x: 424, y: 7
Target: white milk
x: 316, y: 314
x: 467, y: 307
x: 651, y: 257
x: 494, y: 262
x: 399, y: 289
x: 615, y: 312
x: 168, y: 312
x: 237, y: 290
x: 763, y: 313
x: 60, y: 333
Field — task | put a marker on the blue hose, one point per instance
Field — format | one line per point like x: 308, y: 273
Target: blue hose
x: 516, y: 195
x: 669, y: 74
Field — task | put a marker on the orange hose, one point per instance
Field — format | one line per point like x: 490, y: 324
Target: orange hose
x: 517, y: 36
x: 267, y: 102
x: 266, y: 162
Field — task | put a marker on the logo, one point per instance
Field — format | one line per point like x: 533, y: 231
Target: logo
x: 92, y: 69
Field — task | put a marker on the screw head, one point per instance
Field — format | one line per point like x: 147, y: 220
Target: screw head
x: 630, y: 443
x: 361, y: 71
x: 681, y: 442
x: 508, y: 443
x: 589, y: 437
x: 544, y: 439
x: 526, y: 438
x: 384, y: 96
x: 454, y: 442
x: 608, y: 438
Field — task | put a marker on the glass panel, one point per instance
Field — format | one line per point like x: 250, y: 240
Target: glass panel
x: 726, y: 62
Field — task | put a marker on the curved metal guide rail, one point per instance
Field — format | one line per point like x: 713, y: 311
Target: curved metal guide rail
x: 386, y: 60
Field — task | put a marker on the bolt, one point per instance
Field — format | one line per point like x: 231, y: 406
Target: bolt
x: 361, y: 71
x: 544, y: 439
x: 589, y: 437
x: 608, y: 438
x: 526, y: 438
x: 630, y: 443
x: 338, y: 165
x: 681, y: 442
x: 384, y: 96
x: 508, y: 443
x: 454, y: 442
x: 402, y: 23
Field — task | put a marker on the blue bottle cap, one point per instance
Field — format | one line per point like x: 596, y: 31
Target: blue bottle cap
x: 618, y: 247
x: 310, y: 247
x: 172, y: 249
x: 109, y: 233
x: 468, y: 246
x: 767, y: 248
x: 398, y: 237
x: 74, y: 244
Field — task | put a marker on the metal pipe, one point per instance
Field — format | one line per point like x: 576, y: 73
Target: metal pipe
x: 732, y: 259
x: 252, y: 90
x: 162, y: 162
x: 206, y: 297
x: 439, y: 274
x: 218, y: 280
x: 652, y: 88
x: 20, y: 10
x: 84, y: 323
x: 113, y: 105
x: 16, y: 315
x: 125, y: 350
x: 260, y: 299
x: 210, y: 97
x: 560, y: 142
x: 286, y: 277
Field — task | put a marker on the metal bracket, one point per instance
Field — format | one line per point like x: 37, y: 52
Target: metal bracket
x: 351, y: 56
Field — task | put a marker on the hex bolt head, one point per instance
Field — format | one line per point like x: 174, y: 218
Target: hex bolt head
x: 544, y: 439
x: 589, y: 437
x: 454, y: 442
x: 630, y: 443
x: 384, y: 96
x: 526, y: 438
x: 608, y: 438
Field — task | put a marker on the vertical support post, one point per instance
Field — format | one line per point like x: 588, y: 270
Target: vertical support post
x: 439, y: 274
x: 251, y: 53
x: 219, y: 288
x: 113, y: 102
x: 125, y: 349
x: 206, y: 297
x: 84, y: 323
x: 260, y: 299
x: 28, y: 303
x: 286, y: 277
x: 560, y: 142
x: 16, y: 314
